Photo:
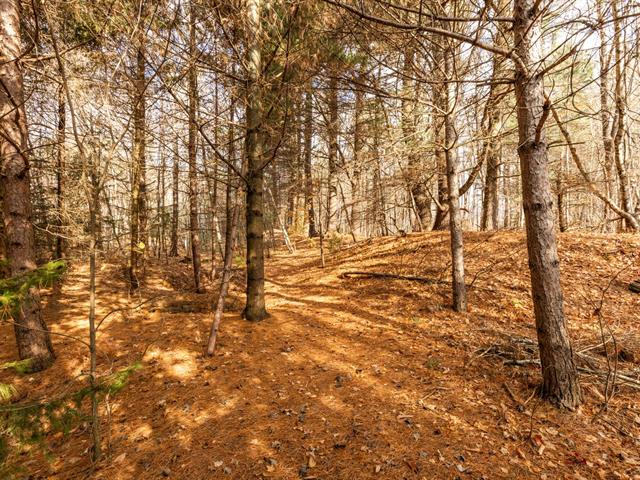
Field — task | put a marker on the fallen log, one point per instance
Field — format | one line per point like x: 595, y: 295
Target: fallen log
x: 635, y: 286
x: 393, y: 276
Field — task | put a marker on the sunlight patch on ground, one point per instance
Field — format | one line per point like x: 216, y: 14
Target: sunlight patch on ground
x: 143, y: 432
x: 225, y: 405
x: 179, y: 363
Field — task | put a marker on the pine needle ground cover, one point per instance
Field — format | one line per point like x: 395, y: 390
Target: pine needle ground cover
x: 353, y: 377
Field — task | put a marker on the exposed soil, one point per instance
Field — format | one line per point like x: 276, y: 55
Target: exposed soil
x: 350, y: 378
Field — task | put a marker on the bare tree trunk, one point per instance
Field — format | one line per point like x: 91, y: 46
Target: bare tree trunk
x: 32, y: 335
x: 490, y: 199
x: 94, y: 208
x: 233, y: 216
x: 490, y: 153
x: 606, y: 117
x: 194, y: 227
x: 213, y: 192
x: 138, y: 227
x: 356, y: 176
x: 560, y: 379
x: 255, y: 309
x: 112, y: 220
x: 455, y: 226
x: 562, y: 217
x: 417, y: 183
x: 175, y: 210
x: 158, y: 216
x: 332, y: 140
x: 379, y: 202
x: 506, y: 180
x: 491, y: 121
x: 4, y: 268
x: 163, y: 191
x: 297, y: 217
x: 439, y: 138
x: 623, y: 178
x: 60, y: 168
x: 308, y: 179
x: 231, y: 199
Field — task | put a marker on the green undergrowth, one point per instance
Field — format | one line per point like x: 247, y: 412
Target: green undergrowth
x: 24, y: 427
x: 14, y: 290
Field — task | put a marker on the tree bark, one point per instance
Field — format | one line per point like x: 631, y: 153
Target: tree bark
x: 439, y: 107
x: 620, y: 104
x: 232, y: 218
x: 255, y: 309
x: 308, y: 179
x: 491, y: 148
x: 356, y: 176
x: 138, y: 226
x: 417, y: 183
x: 94, y: 208
x: 32, y: 335
x: 560, y: 380
x: 606, y: 116
x: 175, y: 210
x: 455, y: 225
x: 194, y: 227
x: 332, y: 141
x: 60, y: 168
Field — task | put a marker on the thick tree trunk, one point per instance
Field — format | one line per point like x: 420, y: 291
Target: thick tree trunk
x: 560, y: 379
x: 194, y: 227
x: 308, y: 179
x: 255, y: 309
x: 32, y: 335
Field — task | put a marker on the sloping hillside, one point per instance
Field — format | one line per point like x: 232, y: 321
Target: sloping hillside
x: 357, y: 377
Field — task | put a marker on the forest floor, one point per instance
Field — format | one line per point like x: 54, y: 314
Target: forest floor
x: 351, y: 378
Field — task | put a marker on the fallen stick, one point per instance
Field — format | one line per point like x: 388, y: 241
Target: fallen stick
x: 625, y: 377
x: 410, y: 278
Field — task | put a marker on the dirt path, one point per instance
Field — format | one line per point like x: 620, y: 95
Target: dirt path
x: 347, y: 379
